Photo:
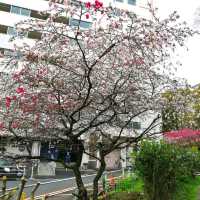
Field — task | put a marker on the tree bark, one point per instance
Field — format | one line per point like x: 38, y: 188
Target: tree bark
x: 82, y: 191
x: 97, y: 177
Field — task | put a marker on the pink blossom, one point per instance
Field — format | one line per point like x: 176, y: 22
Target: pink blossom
x: 14, y: 98
x: 8, y: 101
x: 2, y: 125
x: 87, y: 15
x: 37, y: 119
x: 15, y: 125
x: 16, y: 77
x: 139, y: 61
x: 34, y: 98
x: 20, y: 90
x: 88, y: 5
x: 98, y: 4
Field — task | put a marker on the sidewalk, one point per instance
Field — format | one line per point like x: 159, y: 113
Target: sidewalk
x: 61, y: 197
x: 62, y: 173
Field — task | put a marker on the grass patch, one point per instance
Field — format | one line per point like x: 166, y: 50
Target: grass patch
x: 126, y: 196
x: 188, y: 190
x: 138, y: 186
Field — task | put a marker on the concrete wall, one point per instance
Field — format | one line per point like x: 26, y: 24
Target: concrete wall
x: 113, y: 160
x: 15, y: 150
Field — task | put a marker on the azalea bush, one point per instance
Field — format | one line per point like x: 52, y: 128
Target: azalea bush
x: 163, y: 167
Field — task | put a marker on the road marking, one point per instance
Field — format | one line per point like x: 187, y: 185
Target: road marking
x: 58, y: 192
x: 67, y: 189
x: 60, y: 180
x: 71, y: 178
x: 62, y: 191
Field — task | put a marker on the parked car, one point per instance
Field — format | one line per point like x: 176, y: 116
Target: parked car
x: 10, y: 169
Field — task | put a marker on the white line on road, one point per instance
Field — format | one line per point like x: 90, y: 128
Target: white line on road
x: 71, y: 178
x: 59, y: 180
x: 65, y: 190
x: 59, y: 192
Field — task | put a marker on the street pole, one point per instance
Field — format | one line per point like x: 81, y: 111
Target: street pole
x: 32, y: 170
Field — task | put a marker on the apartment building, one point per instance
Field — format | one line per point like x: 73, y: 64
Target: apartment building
x: 13, y: 11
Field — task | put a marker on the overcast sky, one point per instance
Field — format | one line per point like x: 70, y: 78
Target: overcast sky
x: 190, y: 59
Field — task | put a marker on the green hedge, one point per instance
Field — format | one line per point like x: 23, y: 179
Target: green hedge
x: 163, y: 167
x: 188, y: 189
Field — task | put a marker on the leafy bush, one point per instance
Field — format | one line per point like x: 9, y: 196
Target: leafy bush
x: 189, y: 189
x: 163, y: 166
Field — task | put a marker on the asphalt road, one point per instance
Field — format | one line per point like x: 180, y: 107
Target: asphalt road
x: 52, y: 185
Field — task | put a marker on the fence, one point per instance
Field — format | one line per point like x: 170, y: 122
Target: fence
x: 118, y: 184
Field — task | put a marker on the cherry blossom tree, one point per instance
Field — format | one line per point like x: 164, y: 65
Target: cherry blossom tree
x: 186, y: 115
x: 74, y: 83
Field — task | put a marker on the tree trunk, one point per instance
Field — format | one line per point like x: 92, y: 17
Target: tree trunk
x: 97, y: 177
x: 82, y: 191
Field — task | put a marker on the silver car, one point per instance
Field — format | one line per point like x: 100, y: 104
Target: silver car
x: 9, y: 169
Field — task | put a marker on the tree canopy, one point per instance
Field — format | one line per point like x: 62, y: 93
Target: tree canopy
x: 75, y: 82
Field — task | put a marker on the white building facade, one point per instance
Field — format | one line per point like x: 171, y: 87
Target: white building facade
x: 14, y: 11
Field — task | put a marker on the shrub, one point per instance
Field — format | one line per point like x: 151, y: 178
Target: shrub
x: 162, y: 166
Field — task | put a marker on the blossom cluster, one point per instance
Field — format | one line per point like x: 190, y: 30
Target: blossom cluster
x: 77, y: 77
x: 97, y: 5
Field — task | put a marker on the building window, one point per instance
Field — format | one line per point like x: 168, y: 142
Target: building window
x: 25, y: 12
x: 83, y: 24
x: 119, y: 1
x: 16, y: 54
x: 132, y: 2
x: 134, y: 125
x: 15, y: 10
x: 11, y: 31
x: 20, y: 11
